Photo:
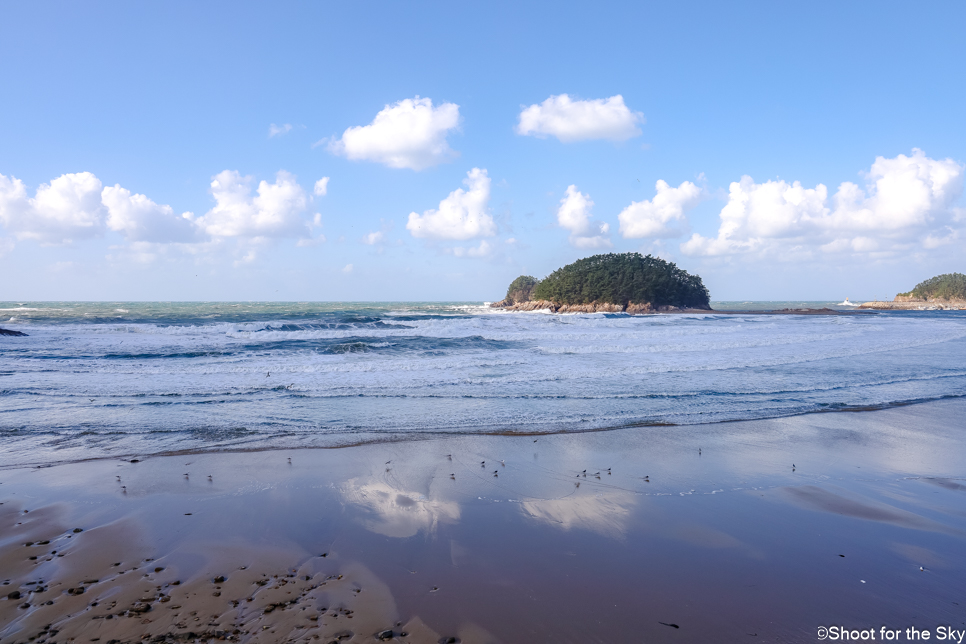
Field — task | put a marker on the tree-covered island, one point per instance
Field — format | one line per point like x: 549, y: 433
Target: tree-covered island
x: 614, y: 282
x: 947, y: 291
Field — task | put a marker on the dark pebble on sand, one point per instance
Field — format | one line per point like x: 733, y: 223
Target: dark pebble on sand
x: 384, y: 635
x: 134, y: 460
x: 450, y: 640
x: 76, y: 530
x: 14, y: 595
x: 220, y: 579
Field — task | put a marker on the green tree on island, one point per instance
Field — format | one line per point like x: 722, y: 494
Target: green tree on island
x: 621, y: 278
x: 521, y: 289
x: 949, y: 286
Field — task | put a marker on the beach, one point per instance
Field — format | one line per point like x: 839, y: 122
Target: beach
x: 758, y: 530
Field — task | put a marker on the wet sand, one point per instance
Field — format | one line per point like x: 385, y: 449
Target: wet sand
x: 757, y: 531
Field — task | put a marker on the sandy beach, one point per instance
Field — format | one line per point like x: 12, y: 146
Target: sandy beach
x: 748, y: 531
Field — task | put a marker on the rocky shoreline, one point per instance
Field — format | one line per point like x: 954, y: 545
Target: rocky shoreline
x: 909, y: 304
x: 632, y: 308
x: 14, y: 333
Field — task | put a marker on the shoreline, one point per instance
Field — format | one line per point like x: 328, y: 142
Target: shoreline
x: 443, y: 435
x: 724, y: 537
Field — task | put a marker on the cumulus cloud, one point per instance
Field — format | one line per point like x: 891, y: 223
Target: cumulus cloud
x: 273, y: 212
x: 67, y: 208
x: 576, y: 120
x: 462, y: 215
x: 574, y: 215
x: 279, y: 130
x: 484, y: 249
x: 321, y: 187
x: 374, y: 238
x: 408, y: 134
x: 663, y: 216
x: 908, y: 201
x: 141, y: 220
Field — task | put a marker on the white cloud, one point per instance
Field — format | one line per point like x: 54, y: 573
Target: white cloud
x: 909, y: 202
x: 408, y: 134
x: 663, y: 216
x: 274, y: 212
x: 141, y: 220
x: 321, y: 187
x: 570, y: 120
x: 485, y: 249
x: 374, y: 238
x: 462, y: 215
x: 279, y: 130
x: 347, y: 268
x: 574, y: 215
x: 67, y: 208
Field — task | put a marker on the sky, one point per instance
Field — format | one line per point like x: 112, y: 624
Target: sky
x: 316, y: 151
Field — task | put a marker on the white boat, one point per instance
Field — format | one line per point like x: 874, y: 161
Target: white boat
x: 847, y: 303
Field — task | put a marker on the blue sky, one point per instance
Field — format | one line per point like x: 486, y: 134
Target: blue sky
x: 161, y: 99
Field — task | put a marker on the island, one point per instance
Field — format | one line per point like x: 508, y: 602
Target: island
x: 11, y: 332
x: 943, y: 292
x: 610, y: 283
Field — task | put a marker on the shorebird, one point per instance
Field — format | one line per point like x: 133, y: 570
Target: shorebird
x: 449, y: 456
x: 119, y: 478
x: 482, y: 463
x: 186, y: 475
x: 209, y: 477
x: 452, y: 476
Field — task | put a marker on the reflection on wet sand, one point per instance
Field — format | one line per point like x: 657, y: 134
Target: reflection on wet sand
x: 852, y: 505
x: 398, y: 513
x: 605, y: 514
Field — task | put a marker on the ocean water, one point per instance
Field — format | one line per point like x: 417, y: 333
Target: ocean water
x: 134, y: 379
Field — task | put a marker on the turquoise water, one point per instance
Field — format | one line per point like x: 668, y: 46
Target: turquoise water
x: 128, y: 379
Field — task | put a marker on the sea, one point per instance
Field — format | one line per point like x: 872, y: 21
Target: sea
x: 135, y: 379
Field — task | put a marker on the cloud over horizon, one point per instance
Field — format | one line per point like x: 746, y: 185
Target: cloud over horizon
x: 274, y: 212
x: 462, y: 215
x: 663, y: 216
x: 908, y: 203
x: 74, y: 206
x: 580, y: 120
x: 66, y: 209
x: 408, y: 134
x: 574, y: 216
